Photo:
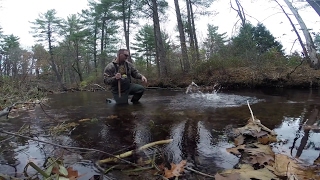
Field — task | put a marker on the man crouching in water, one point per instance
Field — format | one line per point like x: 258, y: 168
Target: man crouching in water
x: 118, y: 75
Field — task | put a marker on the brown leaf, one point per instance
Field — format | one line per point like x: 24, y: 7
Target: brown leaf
x: 233, y: 176
x: 239, y: 140
x: 175, y: 170
x: 250, y: 129
x: 235, y: 150
x: 286, y: 166
x: 261, y: 158
x: 72, y: 173
x: 247, y: 172
x: 260, y: 148
x: 267, y: 139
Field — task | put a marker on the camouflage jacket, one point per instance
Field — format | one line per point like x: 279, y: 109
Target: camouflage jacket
x: 127, y: 71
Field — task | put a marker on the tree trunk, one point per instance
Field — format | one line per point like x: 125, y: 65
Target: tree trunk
x: 185, y: 60
x: 157, y: 52
x: 0, y: 65
x: 190, y: 31
x: 102, y: 55
x: 158, y: 38
x: 309, y: 42
x: 79, y: 72
x: 95, y: 48
x: 297, y: 33
x: 240, y: 12
x: 315, y: 5
x: 194, y: 34
x: 126, y: 23
x: 52, y: 62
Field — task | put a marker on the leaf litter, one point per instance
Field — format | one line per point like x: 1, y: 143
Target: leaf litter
x: 258, y: 161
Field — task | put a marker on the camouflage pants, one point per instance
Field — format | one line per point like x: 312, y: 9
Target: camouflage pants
x: 135, y: 89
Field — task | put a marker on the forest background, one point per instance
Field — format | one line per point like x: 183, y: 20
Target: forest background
x: 71, y: 53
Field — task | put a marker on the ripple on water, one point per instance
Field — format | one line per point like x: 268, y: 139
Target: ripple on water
x: 214, y: 100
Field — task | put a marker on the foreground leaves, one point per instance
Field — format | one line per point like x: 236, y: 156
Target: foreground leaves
x: 246, y: 172
x: 258, y: 161
x: 176, y: 170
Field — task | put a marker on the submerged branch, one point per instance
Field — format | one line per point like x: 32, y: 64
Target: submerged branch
x: 129, y: 153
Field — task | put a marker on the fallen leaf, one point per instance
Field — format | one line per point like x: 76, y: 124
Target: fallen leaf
x: 234, y: 176
x: 72, y: 174
x: 66, y: 172
x: 175, y: 170
x: 261, y: 159
x: 259, y: 148
x: 246, y: 172
x: 286, y: 166
x: 250, y: 129
x: 235, y: 150
x: 239, y: 140
x: 267, y: 139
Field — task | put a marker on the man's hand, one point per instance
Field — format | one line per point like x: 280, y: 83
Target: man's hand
x: 118, y: 76
x: 144, y: 79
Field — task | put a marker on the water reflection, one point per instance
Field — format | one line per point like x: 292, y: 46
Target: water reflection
x: 195, y: 122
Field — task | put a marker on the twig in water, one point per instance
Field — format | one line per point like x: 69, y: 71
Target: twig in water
x: 250, y: 111
x: 198, y: 172
x: 12, y: 136
x: 129, y: 153
x: 46, y: 112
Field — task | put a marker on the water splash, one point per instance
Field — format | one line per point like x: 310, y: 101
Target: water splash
x: 194, y: 88
x: 211, y: 96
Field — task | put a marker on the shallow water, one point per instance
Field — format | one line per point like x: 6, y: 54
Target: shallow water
x: 194, y: 121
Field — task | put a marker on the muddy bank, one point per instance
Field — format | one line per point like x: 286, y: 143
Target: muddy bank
x: 246, y: 77
x: 301, y: 77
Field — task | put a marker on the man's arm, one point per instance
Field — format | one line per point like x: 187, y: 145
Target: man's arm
x: 109, y: 73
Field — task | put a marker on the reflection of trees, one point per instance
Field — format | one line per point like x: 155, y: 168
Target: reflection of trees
x: 190, y: 139
x: 304, y: 140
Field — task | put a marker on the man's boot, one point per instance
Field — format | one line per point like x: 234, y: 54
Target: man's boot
x: 135, y: 98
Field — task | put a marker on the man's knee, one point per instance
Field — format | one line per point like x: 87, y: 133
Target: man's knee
x: 137, y: 89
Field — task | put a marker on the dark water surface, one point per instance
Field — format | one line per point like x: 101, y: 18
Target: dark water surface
x: 195, y: 122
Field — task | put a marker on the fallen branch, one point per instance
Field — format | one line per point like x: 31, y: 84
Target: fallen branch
x: 129, y: 153
x: 198, y: 172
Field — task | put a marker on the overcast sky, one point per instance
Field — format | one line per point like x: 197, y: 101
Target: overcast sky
x: 15, y: 16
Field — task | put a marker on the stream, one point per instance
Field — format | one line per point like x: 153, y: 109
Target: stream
x: 195, y: 121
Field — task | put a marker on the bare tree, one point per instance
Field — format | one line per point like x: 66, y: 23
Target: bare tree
x: 185, y: 60
x: 296, y: 31
x: 309, y: 42
x: 239, y: 11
